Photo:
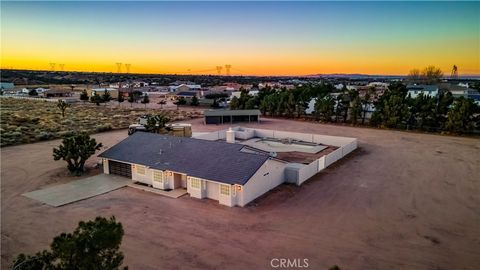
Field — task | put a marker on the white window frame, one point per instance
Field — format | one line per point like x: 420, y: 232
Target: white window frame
x: 141, y: 167
x: 158, y: 176
x: 224, y: 188
x: 195, y: 183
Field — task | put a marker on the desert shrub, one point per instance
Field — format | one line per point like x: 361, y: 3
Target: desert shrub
x: 102, y: 128
x: 65, y: 133
x: 67, y: 122
x: 12, y: 134
x: 44, y: 136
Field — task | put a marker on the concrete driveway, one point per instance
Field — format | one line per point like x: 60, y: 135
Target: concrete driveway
x: 78, y: 190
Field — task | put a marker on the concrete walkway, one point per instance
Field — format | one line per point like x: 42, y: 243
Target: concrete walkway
x: 78, y: 189
x: 175, y: 193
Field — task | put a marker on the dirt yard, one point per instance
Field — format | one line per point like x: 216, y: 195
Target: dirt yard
x: 401, y: 201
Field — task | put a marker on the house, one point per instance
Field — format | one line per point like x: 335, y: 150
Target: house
x: 426, y: 90
x: 6, y: 86
x: 233, y: 167
x: 101, y: 91
x: 56, y: 93
x: 186, y: 94
x: 231, y: 116
x: 184, y: 87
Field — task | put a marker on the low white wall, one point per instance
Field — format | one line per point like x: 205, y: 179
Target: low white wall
x: 349, y: 148
x: 333, y: 157
x: 262, y: 133
x: 307, y: 171
x: 321, y: 163
x: 332, y: 140
x: 213, y: 136
x: 267, y: 177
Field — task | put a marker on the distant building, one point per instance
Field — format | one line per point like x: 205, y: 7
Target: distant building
x: 426, y: 90
x: 184, y: 87
x: 6, y: 86
x: 100, y: 91
x: 231, y: 116
x: 186, y: 94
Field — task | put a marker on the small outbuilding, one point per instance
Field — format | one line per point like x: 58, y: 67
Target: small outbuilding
x: 231, y: 116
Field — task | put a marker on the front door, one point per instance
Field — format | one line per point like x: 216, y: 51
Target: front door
x: 177, y: 180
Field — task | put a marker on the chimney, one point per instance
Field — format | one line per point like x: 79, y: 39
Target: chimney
x: 230, y: 135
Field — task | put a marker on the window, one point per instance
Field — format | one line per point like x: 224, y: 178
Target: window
x: 195, y: 182
x: 225, y: 190
x: 141, y: 169
x: 158, y: 176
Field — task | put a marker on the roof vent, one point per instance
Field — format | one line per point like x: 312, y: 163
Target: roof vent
x: 273, y: 154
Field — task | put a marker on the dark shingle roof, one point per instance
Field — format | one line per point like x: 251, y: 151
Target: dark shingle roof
x: 211, y: 160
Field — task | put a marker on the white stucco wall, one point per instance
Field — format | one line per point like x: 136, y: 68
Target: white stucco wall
x: 106, y: 169
x: 143, y: 178
x: 270, y: 175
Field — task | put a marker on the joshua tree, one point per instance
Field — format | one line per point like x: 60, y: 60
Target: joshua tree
x: 157, y: 122
x: 62, y: 105
x: 75, y: 150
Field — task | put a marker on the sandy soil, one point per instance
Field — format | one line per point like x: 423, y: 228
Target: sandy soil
x: 401, y: 201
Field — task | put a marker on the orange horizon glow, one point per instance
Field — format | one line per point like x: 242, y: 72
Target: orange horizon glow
x: 265, y: 39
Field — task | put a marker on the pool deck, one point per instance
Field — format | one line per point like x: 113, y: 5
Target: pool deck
x: 279, y: 146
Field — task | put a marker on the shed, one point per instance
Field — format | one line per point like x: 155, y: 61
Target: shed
x: 231, y: 116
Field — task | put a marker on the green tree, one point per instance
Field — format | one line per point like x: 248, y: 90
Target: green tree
x: 33, y: 92
x: 194, y: 101
x: 461, y: 116
x: 93, y: 245
x: 131, y: 98
x: 120, y: 98
x: 356, y: 109
x: 84, y: 95
x: 367, y: 101
x: 180, y: 101
x: 290, y: 104
x: 75, y: 150
x: 324, y: 108
x: 251, y: 103
x: 234, y: 103
x: 391, y: 109
x: 145, y: 100
x: 62, y: 105
x: 445, y: 100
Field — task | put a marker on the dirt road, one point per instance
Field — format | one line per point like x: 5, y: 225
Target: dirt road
x: 401, y: 201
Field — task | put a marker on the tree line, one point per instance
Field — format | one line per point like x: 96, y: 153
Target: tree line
x: 394, y: 109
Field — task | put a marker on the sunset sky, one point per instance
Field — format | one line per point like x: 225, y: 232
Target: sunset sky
x: 256, y: 38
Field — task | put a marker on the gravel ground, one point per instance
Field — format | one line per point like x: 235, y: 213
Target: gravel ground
x: 401, y: 201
